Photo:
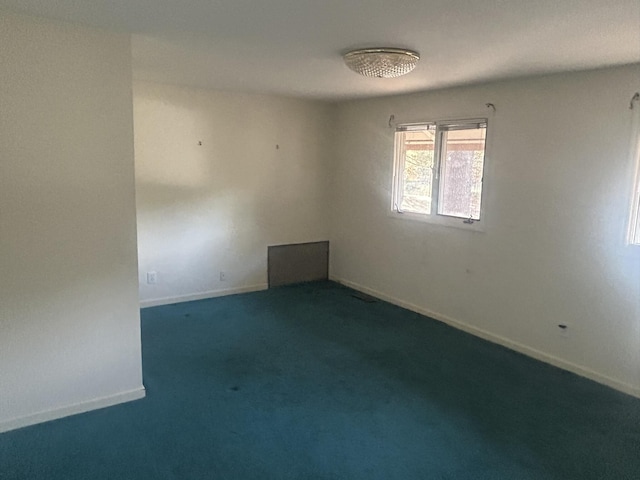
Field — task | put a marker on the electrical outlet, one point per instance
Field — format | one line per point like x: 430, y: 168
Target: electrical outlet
x: 223, y: 276
x: 152, y: 278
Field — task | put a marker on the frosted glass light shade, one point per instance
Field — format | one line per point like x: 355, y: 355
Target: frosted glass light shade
x: 381, y: 62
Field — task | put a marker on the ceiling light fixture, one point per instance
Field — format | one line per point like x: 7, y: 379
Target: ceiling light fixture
x: 381, y: 62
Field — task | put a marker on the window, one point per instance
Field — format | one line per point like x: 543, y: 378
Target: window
x: 634, y: 224
x: 438, y: 169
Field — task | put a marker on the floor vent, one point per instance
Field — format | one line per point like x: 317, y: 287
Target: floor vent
x: 364, y: 297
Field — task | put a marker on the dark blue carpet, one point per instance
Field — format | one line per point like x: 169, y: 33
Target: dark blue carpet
x: 308, y: 382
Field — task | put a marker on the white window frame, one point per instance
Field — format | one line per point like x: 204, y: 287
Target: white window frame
x: 633, y: 231
x: 435, y: 217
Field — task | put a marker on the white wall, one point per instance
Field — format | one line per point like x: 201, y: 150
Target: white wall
x: 259, y: 178
x: 69, y: 321
x: 557, y: 192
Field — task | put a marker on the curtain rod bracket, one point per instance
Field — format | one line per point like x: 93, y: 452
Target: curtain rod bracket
x: 491, y: 105
x: 635, y: 98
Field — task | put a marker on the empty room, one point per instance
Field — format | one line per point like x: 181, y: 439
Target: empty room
x: 319, y: 240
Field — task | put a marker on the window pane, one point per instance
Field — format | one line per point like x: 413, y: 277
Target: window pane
x: 461, y: 172
x: 417, y: 177
x: 634, y: 227
x: 634, y: 234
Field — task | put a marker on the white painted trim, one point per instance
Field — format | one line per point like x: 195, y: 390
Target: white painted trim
x: 505, y: 342
x: 74, y: 409
x: 203, y: 295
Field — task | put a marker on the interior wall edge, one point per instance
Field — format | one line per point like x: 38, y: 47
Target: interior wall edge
x: 74, y: 409
x: 497, y: 339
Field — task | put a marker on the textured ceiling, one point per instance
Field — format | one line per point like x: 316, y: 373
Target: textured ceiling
x: 293, y: 47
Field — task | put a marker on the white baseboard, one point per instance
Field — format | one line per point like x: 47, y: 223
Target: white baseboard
x: 203, y: 295
x: 505, y: 342
x: 74, y: 409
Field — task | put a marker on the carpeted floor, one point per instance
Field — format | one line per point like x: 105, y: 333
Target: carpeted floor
x: 309, y: 382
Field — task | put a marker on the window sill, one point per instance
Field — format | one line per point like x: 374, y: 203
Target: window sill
x: 444, y: 221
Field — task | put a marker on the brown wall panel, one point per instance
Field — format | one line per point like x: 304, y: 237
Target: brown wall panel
x: 300, y: 262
